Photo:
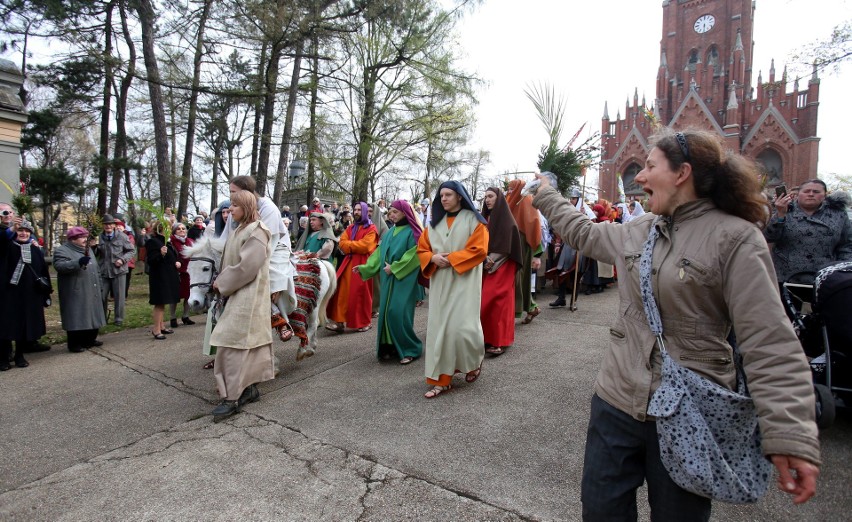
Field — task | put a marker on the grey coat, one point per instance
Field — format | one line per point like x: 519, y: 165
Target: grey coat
x: 108, y: 250
x: 80, y: 303
x: 805, y: 243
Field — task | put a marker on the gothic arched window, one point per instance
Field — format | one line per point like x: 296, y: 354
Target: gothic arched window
x: 629, y: 180
x: 773, y: 166
x: 712, y: 57
x: 694, y: 59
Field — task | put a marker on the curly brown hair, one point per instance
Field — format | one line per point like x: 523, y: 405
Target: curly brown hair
x: 728, y: 179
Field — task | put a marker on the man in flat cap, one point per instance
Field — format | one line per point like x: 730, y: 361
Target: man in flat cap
x: 113, y: 252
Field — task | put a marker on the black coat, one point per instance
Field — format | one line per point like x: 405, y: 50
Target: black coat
x: 163, y: 278
x: 21, y: 305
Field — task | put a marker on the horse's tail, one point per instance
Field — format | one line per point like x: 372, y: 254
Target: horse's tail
x: 331, y: 275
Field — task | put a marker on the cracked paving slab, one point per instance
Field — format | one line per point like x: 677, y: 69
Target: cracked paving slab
x: 245, y: 468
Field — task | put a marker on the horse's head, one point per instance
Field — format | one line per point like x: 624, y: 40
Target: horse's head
x: 205, y: 257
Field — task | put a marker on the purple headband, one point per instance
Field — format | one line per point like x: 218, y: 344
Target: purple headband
x: 404, y: 207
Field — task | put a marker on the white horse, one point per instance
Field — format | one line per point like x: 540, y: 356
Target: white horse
x: 315, y: 281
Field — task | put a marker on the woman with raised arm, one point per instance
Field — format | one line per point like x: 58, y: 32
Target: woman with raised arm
x: 698, y: 263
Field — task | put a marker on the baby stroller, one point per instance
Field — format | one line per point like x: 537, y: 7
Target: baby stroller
x: 820, y: 315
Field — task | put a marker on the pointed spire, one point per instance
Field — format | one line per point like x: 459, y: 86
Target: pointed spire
x: 732, y: 101
x: 796, y: 85
x: 814, y: 76
x: 643, y: 99
x: 759, y: 77
x: 606, y: 112
x: 618, y: 116
x: 738, y: 45
x: 772, y: 71
x: 784, y: 74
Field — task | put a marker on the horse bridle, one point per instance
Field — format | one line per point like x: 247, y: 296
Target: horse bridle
x: 213, y: 273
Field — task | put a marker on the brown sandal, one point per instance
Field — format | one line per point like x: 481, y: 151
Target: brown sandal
x: 337, y: 327
x: 532, y: 314
x: 209, y: 366
x: 437, y: 390
x: 495, y: 350
x: 472, y: 375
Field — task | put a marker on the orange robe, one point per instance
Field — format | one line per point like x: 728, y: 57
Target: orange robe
x: 353, y: 302
x: 473, y: 254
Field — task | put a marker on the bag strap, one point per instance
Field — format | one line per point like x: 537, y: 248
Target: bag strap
x: 652, y: 313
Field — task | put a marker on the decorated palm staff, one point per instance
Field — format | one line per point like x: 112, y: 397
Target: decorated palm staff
x: 564, y: 164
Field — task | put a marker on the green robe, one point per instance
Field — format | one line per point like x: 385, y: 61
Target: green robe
x: 399, y: 291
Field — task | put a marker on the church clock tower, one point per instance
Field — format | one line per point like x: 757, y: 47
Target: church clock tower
x: 705, y: 80
x: 702, y: 49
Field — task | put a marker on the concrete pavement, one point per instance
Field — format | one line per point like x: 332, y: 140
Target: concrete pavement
x: 124, y: 432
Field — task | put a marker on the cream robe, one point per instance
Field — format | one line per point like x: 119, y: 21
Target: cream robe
x: 454, y: 339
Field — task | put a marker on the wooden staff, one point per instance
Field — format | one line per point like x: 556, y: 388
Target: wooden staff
x: 573, y: 305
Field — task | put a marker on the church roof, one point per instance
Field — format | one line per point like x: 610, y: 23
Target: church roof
x: 693, y: 98
x: 770, y: 112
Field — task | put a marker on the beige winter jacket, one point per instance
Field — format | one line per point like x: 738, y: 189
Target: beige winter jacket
x: 711, y: 272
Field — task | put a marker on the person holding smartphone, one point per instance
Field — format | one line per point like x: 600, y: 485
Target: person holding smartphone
x: 808, y: 231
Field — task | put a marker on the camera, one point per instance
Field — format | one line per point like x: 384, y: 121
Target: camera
x: 780, y: 191
x: 5, y: 213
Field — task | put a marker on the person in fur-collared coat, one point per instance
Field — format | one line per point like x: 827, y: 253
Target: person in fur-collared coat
x: 242, y: 334
x: 811, y: 232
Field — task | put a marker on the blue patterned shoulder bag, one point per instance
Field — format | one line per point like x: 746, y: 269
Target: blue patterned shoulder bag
x: 709, y: 437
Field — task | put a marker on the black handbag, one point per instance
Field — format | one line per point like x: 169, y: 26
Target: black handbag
x: 42, y: 283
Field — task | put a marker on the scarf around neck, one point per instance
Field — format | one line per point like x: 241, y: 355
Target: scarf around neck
x: 25, y: 259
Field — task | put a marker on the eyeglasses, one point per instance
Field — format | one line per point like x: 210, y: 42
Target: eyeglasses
x: 684, y: 146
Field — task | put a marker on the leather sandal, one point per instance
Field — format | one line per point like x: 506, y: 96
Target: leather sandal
x: 437, y: 390
x: 532, y: 314
x: 472, y: 375
x: 495, y: 350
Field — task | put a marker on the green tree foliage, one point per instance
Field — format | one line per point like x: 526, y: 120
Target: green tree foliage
x: 567, y: 162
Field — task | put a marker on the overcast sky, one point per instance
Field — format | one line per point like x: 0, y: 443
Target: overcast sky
x: 598, y: 51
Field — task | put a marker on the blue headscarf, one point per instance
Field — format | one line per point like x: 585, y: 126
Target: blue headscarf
x: 218, y: 221
x: 438, y: 211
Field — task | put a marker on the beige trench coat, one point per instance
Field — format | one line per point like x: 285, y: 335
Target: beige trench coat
x: 244, y: 280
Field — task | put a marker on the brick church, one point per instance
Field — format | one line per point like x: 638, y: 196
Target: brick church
x: 705, y: 80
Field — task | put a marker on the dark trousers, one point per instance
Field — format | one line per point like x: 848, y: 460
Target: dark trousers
x: 621, y: 454
x: 20, y: 348
x: 127, y: 283
x: 82, y: 338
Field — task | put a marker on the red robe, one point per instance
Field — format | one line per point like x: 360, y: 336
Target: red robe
x: 498, y: 305
x: 353, y: 302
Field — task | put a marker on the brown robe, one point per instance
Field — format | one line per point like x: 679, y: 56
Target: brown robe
x: 242, y: 335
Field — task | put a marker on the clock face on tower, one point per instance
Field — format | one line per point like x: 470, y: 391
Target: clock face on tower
x: 704, y: 23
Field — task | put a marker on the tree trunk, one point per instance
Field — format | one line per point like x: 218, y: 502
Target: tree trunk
x: 146, y: 14
x: 365, y: 138
x: 214, y: 182
x: 287, y: 135
x: 186, y: 172
x: 120, y: 163
x: 258, y: 106
x: 103, y: 160
x: 312, y: 129
x: 270, y: 90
